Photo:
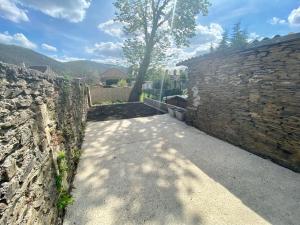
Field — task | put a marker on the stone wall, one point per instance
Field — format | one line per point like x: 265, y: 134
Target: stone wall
x: 251, y: 98
x: 40, y: 115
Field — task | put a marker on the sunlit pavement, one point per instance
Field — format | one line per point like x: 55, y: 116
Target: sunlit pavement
x: 157, y: 170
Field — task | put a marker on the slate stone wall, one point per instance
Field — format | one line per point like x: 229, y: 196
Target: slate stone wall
x: 40, y: 115
x: 250, y: 98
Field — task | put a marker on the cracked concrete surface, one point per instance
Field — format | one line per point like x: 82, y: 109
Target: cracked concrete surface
x: 159, y: 171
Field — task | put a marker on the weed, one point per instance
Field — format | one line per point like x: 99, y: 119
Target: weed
x: 76, y: 154
x: 58, y: 182
x: 64, y: 199
x: 62, y: 162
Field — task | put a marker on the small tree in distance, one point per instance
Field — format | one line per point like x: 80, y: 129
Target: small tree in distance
x: 239, y: 36
x: 238, y: 39
x: 224, y: 42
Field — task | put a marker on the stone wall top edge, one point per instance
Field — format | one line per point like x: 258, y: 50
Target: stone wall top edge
x: 251, y: 47
x: 23, y: 72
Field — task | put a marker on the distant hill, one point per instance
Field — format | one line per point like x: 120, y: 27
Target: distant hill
x: 91, y: 70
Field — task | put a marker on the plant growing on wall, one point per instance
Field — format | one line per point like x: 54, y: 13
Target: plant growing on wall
x: 64, y: 198
x: 151, y: 26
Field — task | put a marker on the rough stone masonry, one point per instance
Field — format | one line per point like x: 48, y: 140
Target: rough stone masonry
x: 40, y: 114
x: 251, y: 97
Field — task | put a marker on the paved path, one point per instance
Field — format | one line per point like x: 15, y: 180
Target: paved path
x: 159, y: 171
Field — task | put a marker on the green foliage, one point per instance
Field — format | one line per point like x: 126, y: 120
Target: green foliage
x: 224, y: 42
x: 143, y: 96
x: 58, y: 182
x: 151, y: 28
x: 62, y: 162
x: 64, y: 199
x: 122, y: 83
x: 155, y: 24
x: 183, y: 76
x: 239, y: 36
x: 155, y: 93
x: 67, y: 76
x: 166, y: 84
x: 155, y: 73
x: 76, y: 154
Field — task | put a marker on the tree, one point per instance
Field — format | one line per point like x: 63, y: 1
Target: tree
x: 151, y: 27
x: 239, y: 37
x: 224, y: 42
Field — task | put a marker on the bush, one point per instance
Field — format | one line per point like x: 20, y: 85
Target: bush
x: 122, y: 83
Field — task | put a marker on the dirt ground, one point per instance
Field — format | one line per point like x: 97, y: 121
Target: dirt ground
x: 159, y: 171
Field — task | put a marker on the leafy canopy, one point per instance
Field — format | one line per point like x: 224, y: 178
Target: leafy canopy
x: 155, y: 25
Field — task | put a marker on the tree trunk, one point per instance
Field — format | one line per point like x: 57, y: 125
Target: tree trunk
x: 137, y: 89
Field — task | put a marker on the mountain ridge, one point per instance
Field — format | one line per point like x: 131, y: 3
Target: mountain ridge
x: 18, y: 55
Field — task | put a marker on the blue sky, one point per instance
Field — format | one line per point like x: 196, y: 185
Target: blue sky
x: 83, y: 29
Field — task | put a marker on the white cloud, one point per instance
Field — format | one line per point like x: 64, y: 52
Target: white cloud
x: 65, y: 58
x: 49, y: 47
x: 10, y: 11
x: 71, y: 10
x: 111, y: 60
x: 294, y: 17
x: 112, y: 28
x: 16, y: 39
x: 254, y: 36
x: 211, y: 33
x: 107, y: 52
x: 106, y: 49
x: 200, y: 44
x: 276, y: 20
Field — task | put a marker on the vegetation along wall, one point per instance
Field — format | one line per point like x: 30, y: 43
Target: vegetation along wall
x: 41, y: 127
x: 251, y: 97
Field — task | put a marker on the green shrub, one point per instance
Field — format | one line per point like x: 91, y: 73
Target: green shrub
x: 64, y: 199
x: 122, y: 83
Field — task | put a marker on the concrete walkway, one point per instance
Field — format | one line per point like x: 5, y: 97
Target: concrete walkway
x: 159, y: 171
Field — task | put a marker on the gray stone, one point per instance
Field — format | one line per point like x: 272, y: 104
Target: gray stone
x: 27, y: 141
x: 24, y: 102
x: 9, y: 168
x: 250, y: 98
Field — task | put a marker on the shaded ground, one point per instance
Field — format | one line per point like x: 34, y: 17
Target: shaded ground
x: 159, y: 171
x: 120, y: 111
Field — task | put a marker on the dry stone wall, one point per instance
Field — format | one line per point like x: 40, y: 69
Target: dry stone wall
x: 251, y: 98
x: 40, y: 115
